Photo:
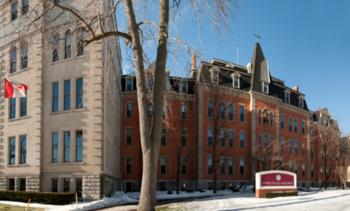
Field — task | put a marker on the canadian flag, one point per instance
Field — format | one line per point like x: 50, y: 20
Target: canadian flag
x: 13, y: 90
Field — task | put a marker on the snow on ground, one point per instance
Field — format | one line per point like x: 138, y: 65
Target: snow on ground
x: 329, y: 200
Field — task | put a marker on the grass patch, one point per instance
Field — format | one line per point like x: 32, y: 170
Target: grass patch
x: 17, y: 208
x: 167, y: 208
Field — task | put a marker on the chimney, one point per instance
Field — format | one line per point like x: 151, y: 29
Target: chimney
x: 296, y: 88
x: 194, y: 61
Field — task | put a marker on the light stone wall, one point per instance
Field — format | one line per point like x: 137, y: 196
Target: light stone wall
x: 99, y: 119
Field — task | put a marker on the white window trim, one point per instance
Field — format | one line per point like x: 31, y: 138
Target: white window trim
x: 287, y: 93
x: 236, y: 76
x: 264, y: 85
x: 301, y: 102
x: 214, y: 75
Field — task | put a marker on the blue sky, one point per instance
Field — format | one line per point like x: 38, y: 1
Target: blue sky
x: 307, y: 43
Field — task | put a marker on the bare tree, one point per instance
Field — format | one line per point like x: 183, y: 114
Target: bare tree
x: 94, y: 25
x: 343, y: 158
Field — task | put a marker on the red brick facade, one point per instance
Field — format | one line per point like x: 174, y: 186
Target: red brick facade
x: 245, y: 130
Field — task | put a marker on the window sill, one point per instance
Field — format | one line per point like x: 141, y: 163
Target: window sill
x: 68, y: 111
x: 68, y: 163
x: 17, y: 165
x: 19, y: 71
x: 18, y: 118
x: 68, y: 59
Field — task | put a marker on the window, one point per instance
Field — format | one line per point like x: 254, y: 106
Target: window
x: 184, y: 133
x: 295, y: 125
x: 282, y: 121
x: 23, y: 106
x: 290, y: 124
x: 55, y: 45
x: 222, y: 111
x: 12, y: 113
x: 163, y: 165
x: 183, y: 166
x: 222, y: 165
x: 303, y: 127
x: 12, y: 150
x: 222, y: 137
x: 210, y: 108
x: 79, y: 146
x: 66, y: 146
x: 230, y: 112
x: 163, y: 138
x: 67, y: 45
x: 129, y: 84
x: 25, y: 6
x: 80, y: 43
x: 79, y: 100
x: 312, y: 171
x: 66, y: 184
x: 241, y: 166
x: 55, y: 95
x: 184, y: 86
x: 66, y: 98
x: 13, y: 60
x: 303, y: 149
x: 259, y: 116
x: 282, y: 142
x: 236, y: 80
x: 301, y: 102
x: 183, y: 111
x: 54, y: 185
x: 210, y: 164
x: 214, y: 74
x: 11, y: 184
x: 128, y: 136
x: 24, y: 56
x: 291, y: 144
x: 230, y: 138
x: 14, y: 10
x: 271, y: 119
x: 230, y: 166
x: 241, y: 139
x: 287, y: 96
x: 265, y: 87
x: 210, y: 136
x: 54, y: 139
x: 22, y: 184
x: 79, y: 186
x: 128, y: 165
x: 241, y: 113
x: 129, y: 110
x: 23, y: 149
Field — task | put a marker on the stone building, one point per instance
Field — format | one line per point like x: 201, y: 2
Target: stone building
x: 240, y: 118
x: 62, y: 137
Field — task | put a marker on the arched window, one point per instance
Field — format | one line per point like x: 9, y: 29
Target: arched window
x: 14, y: 10
x: 24, y: 55
x: 55, y: 45
x: 80, y: 43
x: 230, y: 111
x: 67, y: 45
x: 222, y: 110
x: 25, y: 6
x: 13, y: 60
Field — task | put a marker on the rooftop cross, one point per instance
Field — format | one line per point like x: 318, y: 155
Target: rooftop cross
x: 257, y: 36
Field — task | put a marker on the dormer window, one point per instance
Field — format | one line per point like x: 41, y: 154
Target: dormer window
x: 214, y: 75
x: 184, y: 86
x: 287, y: 96
x: 301, y: 102
x: 265, y: 87
x: 129, y: 85
x: 236, y: 80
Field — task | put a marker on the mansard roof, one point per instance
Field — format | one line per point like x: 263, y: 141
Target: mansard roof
x: 251, y: 77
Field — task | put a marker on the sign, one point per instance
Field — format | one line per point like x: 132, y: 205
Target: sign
x: 277, y: 179
x: 274, y: 181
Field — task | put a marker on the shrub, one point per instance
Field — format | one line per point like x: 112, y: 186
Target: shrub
x: 170, y: 192
x: 40, y: 197
x: 280, y: 194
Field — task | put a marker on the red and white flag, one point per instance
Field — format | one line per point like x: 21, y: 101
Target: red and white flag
x: 13, y: 90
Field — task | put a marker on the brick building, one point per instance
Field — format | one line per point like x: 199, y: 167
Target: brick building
x: 228, y: 119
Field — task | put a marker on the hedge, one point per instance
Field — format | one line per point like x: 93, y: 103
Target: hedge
x: 280, y: 194
x: 40, y: 197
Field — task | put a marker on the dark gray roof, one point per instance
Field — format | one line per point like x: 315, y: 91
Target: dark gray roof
x: 259, y: 69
